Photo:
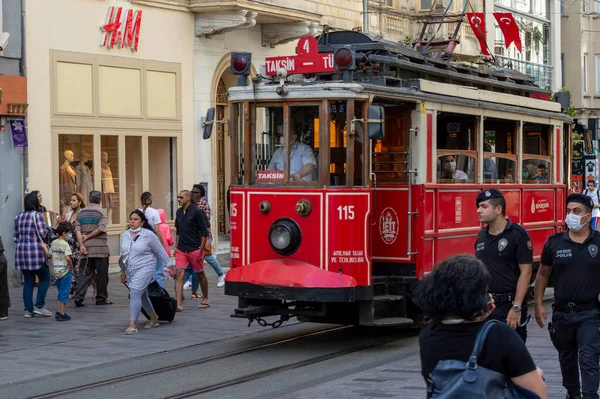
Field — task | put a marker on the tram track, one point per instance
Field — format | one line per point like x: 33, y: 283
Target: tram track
x: 225, y: 361
x: 99, y: 384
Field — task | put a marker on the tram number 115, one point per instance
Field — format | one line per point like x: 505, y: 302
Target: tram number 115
x: 346, y: 212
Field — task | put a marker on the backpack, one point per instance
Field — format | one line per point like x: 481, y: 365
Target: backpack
x: 455, y: 379
x: 586, y: 191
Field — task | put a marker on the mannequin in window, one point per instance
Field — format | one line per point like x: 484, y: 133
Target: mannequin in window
x: 67, y: 181
x: 84, y: 178
x: 109, y: 199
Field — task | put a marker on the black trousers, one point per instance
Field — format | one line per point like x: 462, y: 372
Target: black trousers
x: 501, y: 313
x: 576, y: 337
x: 4, y: 296
x: 87, y: 268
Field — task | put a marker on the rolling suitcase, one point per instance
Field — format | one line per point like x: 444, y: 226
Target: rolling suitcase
x: 164, y: 305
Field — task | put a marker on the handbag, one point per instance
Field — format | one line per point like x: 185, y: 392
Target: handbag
x: 42, y: 243
x: 457, y: 379
x: 124, y: 258
x: 208, y: 248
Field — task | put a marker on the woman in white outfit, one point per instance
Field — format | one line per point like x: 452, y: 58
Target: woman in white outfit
x: 145, y: 250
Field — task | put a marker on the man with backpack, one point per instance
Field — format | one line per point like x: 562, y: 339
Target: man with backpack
x: 592, y: 192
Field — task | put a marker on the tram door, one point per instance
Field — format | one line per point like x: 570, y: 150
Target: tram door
x: 391, y: 189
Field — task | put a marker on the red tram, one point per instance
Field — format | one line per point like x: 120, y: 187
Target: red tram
x: 355, y: 169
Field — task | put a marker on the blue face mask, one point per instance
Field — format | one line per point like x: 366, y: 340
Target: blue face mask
x: 525, y: 175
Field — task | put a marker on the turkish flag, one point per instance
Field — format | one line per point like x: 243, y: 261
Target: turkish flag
x: 509, y: 29
x: 477, y: 22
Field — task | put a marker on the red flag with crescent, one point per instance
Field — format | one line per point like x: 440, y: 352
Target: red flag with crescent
x: 477, y: 22
x: 509, y: 29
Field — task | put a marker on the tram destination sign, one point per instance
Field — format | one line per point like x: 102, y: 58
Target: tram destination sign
x: 308, y: 60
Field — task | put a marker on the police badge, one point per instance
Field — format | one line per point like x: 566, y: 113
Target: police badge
x: 593, y: 250
x: 530, y: 245
x: 502, y: 244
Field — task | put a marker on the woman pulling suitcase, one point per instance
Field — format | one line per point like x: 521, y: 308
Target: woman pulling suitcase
x: 140, y: 251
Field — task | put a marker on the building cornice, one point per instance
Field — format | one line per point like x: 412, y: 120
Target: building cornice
x: 267, y: 12
x: 208, y: 24
x: 176, y: 5
x: 275, y: 34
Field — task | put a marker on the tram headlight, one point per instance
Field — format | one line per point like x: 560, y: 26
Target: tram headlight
x: 285, y: 236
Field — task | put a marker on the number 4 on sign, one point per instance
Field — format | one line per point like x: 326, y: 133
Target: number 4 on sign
x: 346, y: 212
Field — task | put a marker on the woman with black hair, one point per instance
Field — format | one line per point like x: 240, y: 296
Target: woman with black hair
x: 144, y: 250
x: 30, y: 257
x: 455, y: 296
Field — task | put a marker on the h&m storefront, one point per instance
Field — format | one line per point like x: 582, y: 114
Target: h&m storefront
x: 111, y: 105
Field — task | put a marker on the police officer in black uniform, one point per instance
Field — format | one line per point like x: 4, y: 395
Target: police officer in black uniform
x: 506, y: 250
x: 575, y: 326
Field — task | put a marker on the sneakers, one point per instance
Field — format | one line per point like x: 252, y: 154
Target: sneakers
x: 221, y: 282
x: 187, y: 285
x: 2, y: 318
x: 56, y: 315
x: 42, y: 312
x: 28, y: 314
x: 63, y: 317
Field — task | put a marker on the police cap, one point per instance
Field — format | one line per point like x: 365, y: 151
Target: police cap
x: 580, y: 199
x: 488, y: 194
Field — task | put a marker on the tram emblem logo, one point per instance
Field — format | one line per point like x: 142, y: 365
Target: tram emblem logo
x: 389, y: 225
x: 541, y: 206
x: 593, y: 250
x: 502, y: 244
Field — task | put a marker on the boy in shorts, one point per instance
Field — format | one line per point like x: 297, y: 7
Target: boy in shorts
x: 62, y: 267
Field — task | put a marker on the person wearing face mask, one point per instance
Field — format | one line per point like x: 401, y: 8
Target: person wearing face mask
x: 449, y: 170
x: 506, y: 250
x: 573, y: 257
x: 592, y: 192
x: 302, y: 159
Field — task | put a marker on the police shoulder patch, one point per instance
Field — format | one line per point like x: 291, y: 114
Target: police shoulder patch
x: 530, y: 245
x: 502, y: 244
x: 593, y: 250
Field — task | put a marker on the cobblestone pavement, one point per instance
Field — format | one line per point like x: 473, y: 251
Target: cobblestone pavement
x: 403, y: 380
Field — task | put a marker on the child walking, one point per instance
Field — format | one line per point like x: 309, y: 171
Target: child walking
x: 62, y: 268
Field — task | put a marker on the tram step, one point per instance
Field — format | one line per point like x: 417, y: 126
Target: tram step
x: 388, y: 298
x: 393, y: 321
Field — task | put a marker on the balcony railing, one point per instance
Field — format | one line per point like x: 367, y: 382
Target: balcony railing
x: 542, y: 74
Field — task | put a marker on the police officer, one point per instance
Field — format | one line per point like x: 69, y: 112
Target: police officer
x: 575, y: 326
x: 506, y: 250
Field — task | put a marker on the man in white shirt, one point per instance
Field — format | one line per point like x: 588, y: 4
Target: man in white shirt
x: 302, y: 159
x: 592, y: 192
x: 153, y: 220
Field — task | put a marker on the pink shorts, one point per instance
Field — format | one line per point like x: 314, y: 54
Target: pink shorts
x: 183, y: 259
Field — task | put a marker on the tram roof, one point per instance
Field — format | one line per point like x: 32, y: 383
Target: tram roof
x: 401, y: 62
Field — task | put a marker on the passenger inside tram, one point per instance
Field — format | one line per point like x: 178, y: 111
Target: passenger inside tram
x: 302, y: 159
x: 542, y: 174
x: 450, y: 171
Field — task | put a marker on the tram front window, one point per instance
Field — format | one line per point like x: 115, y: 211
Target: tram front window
x: 274, y: 149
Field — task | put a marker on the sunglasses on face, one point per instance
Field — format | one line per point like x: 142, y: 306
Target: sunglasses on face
x: 179, y: 197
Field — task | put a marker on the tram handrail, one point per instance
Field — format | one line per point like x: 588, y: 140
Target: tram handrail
x: 410, y: 213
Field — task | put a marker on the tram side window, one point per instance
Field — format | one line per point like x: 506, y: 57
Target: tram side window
x: 267, y: 145
x: 537, y: 160
x: 337, y: 143
x: 499, y: 151
x: 456, y: 149
x: 390, y: 154
x: 303, y: 146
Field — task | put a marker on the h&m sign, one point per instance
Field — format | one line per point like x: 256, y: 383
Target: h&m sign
x: 121, y: 28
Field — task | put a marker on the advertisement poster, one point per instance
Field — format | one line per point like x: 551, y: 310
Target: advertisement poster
x: 590, y: 169
x: 576, y: 182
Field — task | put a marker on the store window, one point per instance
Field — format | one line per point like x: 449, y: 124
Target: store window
x: 537, y: 162
x: 133, y: 173
x: 109, y: 169
x: 456, y: 149
x: 499, y: 151
x: 75, y: 168
x: 162, y: 163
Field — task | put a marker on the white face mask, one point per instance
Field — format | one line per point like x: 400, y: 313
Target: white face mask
x: 574, y: 222
x: 450, y: 166
x: 281, y: 140
x: 136, y: 230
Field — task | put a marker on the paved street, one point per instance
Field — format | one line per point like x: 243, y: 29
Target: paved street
x: 40, y: 354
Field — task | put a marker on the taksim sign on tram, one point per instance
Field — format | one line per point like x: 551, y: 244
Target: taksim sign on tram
x: 308, y: 60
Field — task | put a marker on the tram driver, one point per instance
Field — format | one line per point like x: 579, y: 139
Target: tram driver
x: 449, y: 170
x: 302, y: 159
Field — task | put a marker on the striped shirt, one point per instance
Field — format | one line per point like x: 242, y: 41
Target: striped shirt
x: 30, y: 254
x: 89, y: 219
